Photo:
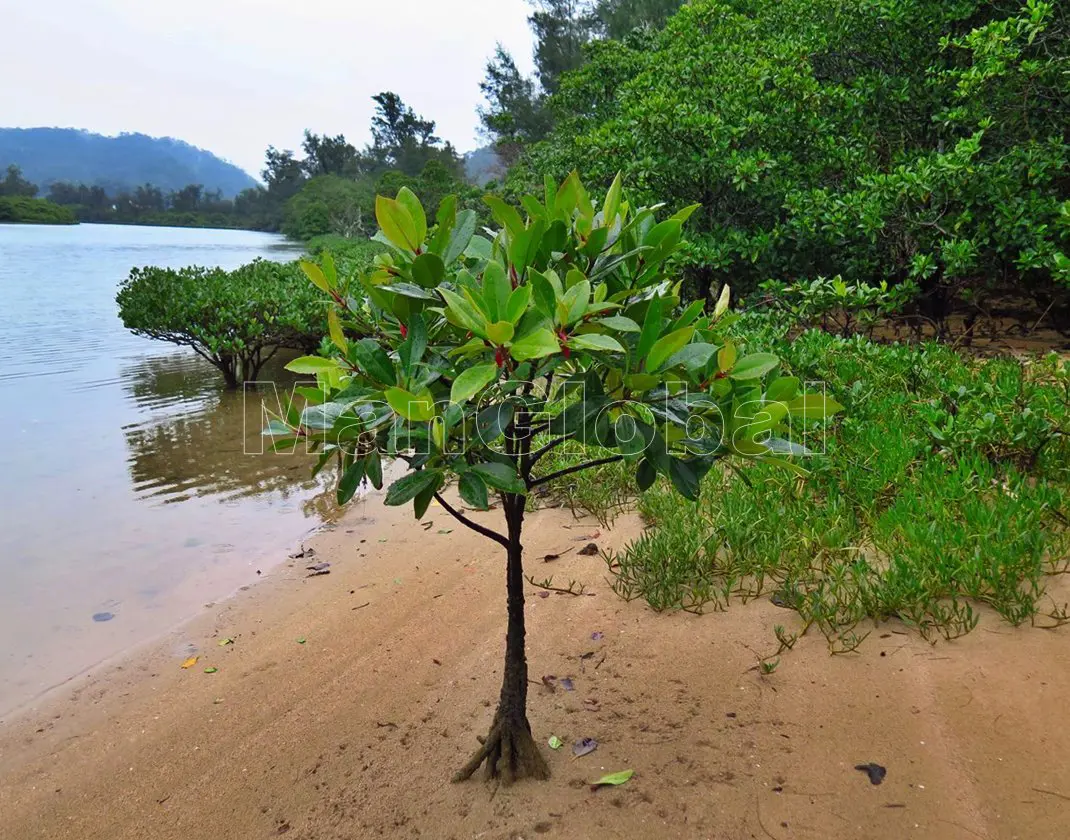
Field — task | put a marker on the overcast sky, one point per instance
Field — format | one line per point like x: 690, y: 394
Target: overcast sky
x: 234, y: 76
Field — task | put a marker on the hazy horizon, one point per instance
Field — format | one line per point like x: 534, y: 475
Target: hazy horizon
x: 235, y: 76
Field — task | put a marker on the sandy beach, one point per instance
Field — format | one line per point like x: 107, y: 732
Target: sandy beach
x: 346, y: 701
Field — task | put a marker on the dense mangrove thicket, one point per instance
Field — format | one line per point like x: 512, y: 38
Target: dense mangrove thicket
x: 916, y: 142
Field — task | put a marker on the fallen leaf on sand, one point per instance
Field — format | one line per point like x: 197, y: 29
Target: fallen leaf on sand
x: 445, y: 530
x: 566, y: 683
x: 301, y: 641
x: 554, y: 555
x: 549, y: 681
x: 613, y: 779
x: 544, y: 594
x: 584, y: 746
x: 189, y: 663
x: 555, y: 742
x: 210, y: 670
x: 225, y: 642
x: 875, y: 772
x: 589, y: 550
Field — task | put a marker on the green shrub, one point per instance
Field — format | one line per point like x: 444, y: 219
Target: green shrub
x: 921, y: 141
x: 237, y: 320
x: 34, y: 211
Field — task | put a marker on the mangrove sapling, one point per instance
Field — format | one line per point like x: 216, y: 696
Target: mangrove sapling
x: 489, y: 353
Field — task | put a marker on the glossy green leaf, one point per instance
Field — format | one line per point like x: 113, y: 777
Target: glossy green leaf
x: 334, y: 327
x: 620, y: 323
x: 754, y: 366
x: 316, y: 275
x: 535, y: 345
x: 517, y: 304
x: 665, y: 346
x: 471, y: 381
x: 311, y: 364
x: 500, y: 332
x: 500, y: 476
x: 350, y: 481
x: 813, y: 407
x: 614, y: 778
x: 407, y: 199
x: 594, y: 341
x: 461, y: 236
x: 396, y: 223
x: 410, y: 406
x: 428, y: 270
x: 406, y: 488
x: 473, y: 490
x: 505, y: 214
x: 373, y: 361
x: 650, y: 332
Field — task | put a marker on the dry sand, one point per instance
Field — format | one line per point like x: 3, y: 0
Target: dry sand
x: 355, y: 732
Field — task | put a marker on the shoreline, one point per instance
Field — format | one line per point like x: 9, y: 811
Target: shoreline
x: 346, y: 700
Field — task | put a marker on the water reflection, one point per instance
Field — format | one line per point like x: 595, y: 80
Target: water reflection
x: 201, y: 440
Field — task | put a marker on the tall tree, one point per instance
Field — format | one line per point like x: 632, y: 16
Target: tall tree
x: 516, y: 112
x: 561, y: 28
x: 283, y: 173
x: 616, y: 18
x: 15, y: 185
x: 404, y: 140
x: 329, y: 155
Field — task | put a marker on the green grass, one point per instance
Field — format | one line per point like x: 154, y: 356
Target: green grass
x: 945, y: 486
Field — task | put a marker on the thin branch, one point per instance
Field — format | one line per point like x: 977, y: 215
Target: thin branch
x: 475, y: 526
x: 573, y: 469
x: 533, y: 458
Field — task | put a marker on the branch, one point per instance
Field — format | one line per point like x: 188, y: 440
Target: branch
x: 577, y: 468
x: 533, y: 458
x: 475, y: 526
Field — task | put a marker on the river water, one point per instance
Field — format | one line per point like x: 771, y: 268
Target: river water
x: 130, y: 488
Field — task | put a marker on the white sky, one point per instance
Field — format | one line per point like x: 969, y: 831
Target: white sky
x: 234, y: 76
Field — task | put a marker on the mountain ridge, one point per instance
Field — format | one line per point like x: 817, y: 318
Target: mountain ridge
x: 117, y: 163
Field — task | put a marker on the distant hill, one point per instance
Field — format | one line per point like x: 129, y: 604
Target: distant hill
x: 117, y: 164
x: 483, y: 165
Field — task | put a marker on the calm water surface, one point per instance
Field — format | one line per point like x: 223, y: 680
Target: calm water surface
x: 126, y: 483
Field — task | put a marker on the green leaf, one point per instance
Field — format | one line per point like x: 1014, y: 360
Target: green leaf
x: 334, y: 327
x: 645, y: 475
x: 461, y: 236
x: 620, y: 323
x: 813, y: 407
x: 500, y: 332
x: 407, y: 199
x: 576, y: 299
x: 666, y: 346
x: 412, y: 350
x: 684, y: 479
x: 651, y: 330
x: 373, y: 361
x: 409, y: 290
x: 315, y: 274
x: 692, y: 357
x: 467, y: 315
x: 406, y: 488
x: 471, y: 381
x: 428, y: 270
x: 545, y: 296
x: 535, y: 345
x: 311, y: 364
x: 594, y: 341
x: 423, y: 500
x: 505, y: 214
x: 473, y: 490
x: 754, y: 366
x: 555, y: 743
x: 614, y: 778
x: 350, y: 481
x: 612, y: 202
x: 445, y: 219
x: 410, y: 406
x: 396, y: 223
x: 492, y: 422
x: 374, y: 469
x: 726, y: 357
x: 496, y: 291
x: 782, y: 389
x: 500, y: 476
x: 518, y: 304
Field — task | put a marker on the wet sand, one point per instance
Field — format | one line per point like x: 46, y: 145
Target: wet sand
x: 355, y: 732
